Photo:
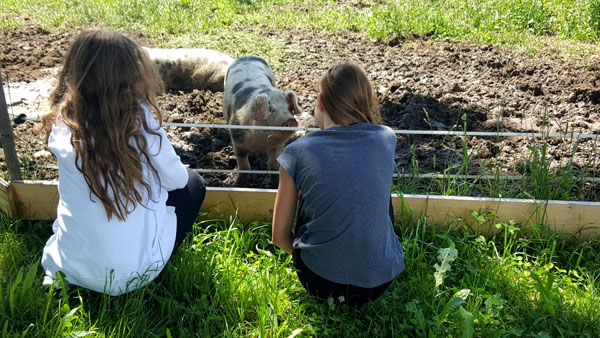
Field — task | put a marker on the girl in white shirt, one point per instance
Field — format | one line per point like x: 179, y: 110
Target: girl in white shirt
x: 126, y: 200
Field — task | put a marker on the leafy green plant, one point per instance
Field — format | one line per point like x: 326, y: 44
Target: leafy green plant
x: 550, y: 299
x: 228, y: 279
x: 445, y: 256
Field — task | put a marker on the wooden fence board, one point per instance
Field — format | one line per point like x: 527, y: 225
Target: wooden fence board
x: 38, y: 200
x: 251, y: 204
x: 3, y: 191
x: 577, y: 218
x: 7, y: 205
x: 35, y: 200
x: 4, y: 205
x: 3, y: 187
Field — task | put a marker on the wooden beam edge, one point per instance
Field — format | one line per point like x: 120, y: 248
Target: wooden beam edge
x: 580, y: 219
x: 4, y: 198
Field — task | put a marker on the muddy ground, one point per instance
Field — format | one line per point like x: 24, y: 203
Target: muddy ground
x: 420, y: 83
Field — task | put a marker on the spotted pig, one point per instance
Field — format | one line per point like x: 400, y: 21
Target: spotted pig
x: 251, y: 98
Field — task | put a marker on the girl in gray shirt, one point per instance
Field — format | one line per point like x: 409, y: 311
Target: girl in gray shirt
x: 344, y: 245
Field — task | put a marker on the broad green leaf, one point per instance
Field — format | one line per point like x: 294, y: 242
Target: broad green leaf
x: 479, y: 218
x: 296, y: 332
x: 452, y: 305
x: 445, y: 256
x: 459, y: 299
x: 466, y: 325
x: 80, y: 334
x: 464, y: 293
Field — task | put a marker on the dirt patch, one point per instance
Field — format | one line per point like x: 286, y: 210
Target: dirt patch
x: 29, y: 53
x: 420, y: 84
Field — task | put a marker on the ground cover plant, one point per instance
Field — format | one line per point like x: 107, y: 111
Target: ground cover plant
x: 518, y: 65
x: 514, y: 22
x: 229, y: 280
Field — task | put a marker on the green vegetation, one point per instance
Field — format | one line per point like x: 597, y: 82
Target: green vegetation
x: 538, y: 176
x: 229, y: 280
x: 490, y: 21
x: 519, y: 23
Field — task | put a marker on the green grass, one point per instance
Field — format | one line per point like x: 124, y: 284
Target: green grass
x: 528, y: 24
x: 235, y: 44
x: 229, y: 280
x: 513, y: 22
x: 542, y: 177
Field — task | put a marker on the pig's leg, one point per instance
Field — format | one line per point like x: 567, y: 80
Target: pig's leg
x: 241, y: 156
x: 272, y: 163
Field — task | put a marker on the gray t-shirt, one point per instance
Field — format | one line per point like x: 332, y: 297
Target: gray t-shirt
x: 345, y: 176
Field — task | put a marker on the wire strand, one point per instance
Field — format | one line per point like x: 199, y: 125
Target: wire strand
x: 397, y: 131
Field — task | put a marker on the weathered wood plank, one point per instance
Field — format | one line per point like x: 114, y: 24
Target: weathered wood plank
x: 7, y: 204
x: 3, y: 187
x: 35, y: 200
x: 38, y: 200
x: 3, y: 190
x: 248, y: 204
x: 580, y: 219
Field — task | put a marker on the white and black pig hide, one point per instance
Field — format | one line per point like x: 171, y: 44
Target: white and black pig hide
x: 251, y: 98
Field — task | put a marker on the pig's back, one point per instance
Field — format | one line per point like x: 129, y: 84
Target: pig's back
x: 249, y: 69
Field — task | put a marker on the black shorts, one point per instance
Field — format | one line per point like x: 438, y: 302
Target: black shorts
x: 187, y: 202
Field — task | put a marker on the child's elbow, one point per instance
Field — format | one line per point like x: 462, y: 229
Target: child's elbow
x: 181, y: 182
x: 178, y: 181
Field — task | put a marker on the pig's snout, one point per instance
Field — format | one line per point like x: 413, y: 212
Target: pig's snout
x: 291, y: 123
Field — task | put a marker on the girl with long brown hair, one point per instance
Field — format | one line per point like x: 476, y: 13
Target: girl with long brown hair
x: 339, y: 179
x: 126, y: 200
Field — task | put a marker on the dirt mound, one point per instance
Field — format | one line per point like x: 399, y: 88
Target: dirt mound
x: 28, y: 53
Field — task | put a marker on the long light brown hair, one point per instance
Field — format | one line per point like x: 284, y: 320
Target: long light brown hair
x: 347, y: 95
x: 104, y: 79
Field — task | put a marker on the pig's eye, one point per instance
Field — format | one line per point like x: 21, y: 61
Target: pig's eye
x: 270, y: 106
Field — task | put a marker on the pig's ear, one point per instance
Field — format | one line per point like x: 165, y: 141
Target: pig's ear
x: 258, y: 108
x: 292, y: 102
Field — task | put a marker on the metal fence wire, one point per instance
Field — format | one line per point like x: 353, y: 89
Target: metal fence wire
x: 451, y: 133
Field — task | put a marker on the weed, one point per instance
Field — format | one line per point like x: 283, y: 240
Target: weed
x: 228, y: 279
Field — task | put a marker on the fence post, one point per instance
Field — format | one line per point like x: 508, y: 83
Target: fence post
x: 7, y: 138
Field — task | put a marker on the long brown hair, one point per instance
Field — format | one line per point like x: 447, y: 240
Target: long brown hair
x: 347, y: 95
x: 104, y: 80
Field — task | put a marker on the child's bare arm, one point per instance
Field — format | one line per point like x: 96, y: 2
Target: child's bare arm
x: 284, y: 210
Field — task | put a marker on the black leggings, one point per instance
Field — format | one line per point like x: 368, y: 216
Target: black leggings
x: 187, y: 202
x: 322, y: 288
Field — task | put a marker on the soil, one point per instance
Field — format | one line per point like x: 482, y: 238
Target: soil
x: 420, y: 84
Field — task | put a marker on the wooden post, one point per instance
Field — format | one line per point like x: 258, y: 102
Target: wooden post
x: 7, y: 137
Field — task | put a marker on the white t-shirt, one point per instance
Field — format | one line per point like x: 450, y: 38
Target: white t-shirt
x: 112, y: 256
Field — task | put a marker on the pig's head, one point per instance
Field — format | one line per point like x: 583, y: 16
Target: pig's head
x: 275, y: 106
